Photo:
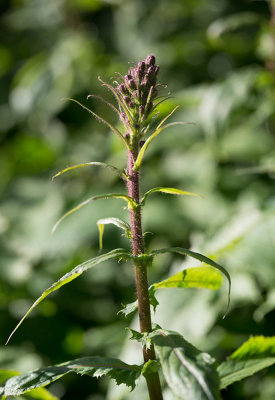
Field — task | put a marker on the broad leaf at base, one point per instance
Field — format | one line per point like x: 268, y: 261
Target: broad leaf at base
x: 255, y: 354
x: 92, y: 366
x: 190, y: 373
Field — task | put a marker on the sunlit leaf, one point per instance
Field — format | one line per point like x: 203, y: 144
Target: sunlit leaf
x: 167, y: 191
x: 202, y: 277
x: 190, y: 373
x: 131, y: 203
x: 255, y: 354
x: 159, y: 128
x: 202, y: 258
x: 73, y: 274
x: 100, y: 119
x: 92, y: 366
x: 100, y: 164
x: 115, y: 221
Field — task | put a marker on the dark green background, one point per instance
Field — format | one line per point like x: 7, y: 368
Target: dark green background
x: 218, y: 59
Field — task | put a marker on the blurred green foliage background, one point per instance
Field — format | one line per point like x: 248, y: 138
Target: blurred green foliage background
x: 218, y: 59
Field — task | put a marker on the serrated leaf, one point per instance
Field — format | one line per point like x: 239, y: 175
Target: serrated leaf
x: 38, y: 394
x: 202, y: 277
x: 129, y: 308
x: 131, y: 204
x: 202, y: 258
x: 100, y: 164
x: 73, y: 274
x: 167, y: 191
x: 115, y: 221
x: 255, y: 354
x: 159, y: 128
x: 100, y: 119
x: 92, y: 366
x: 190, y: 373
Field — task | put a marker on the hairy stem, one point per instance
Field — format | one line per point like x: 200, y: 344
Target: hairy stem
x: 153, y: 382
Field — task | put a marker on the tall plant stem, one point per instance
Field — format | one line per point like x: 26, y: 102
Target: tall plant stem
x: 153, y: 382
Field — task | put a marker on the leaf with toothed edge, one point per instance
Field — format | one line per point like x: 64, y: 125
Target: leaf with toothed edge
x: 254, y: 355
x: 131, y: 204
x: 115, y: 221
x: 197, y: 277
x: 153, y: 135
x: 100, y: 119
x: 92, y: 366
x: 73, y: 274
x: 190, y: 373
x: 202, y: 258
x: 167, y: 190
x: 96, y: 163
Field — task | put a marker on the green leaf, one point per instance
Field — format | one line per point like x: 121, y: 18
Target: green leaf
x: 202, y: 277
x: 129, y: 308
x: 38, y: 394
x: 155, y: 134
x: 202, y: 258
x: 190, y: 373
x: 100, y: 119
x: 115, y: 221
x: 167, y: 191
x: 100, y: 164
x: 92, y: 366
x: 131, y: 204
x: 73, y: 274
x: 255, y: 354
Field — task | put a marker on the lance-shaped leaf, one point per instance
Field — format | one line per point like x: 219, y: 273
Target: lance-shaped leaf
x: 197, y: 277
x: 92, y: 366
x: 73, y: 274
x: 255, y: 354
x: 167, y: 190
x: 100, y: 164
x: 115, y: 221
x: 202, y: 258
x: 190, y: 373
x: 131, y: 204
x: 159, y: 128
x: 200, y: 277
x: 100, y: 119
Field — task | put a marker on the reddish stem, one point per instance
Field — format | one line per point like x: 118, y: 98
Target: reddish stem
x: 153, y: 382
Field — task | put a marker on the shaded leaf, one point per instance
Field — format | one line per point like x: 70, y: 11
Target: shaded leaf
x: 131, y: 203
x: 92, y: 366
x: 190, y: 373
x: 115, y: 221
x: 155, y: 134
x: 255, y: 354
x: 202, y: 258
x: 100, y: 119
x: 100, y: 164
x: 38, y: 394
x: 167, y: 191
x: 73, y: 274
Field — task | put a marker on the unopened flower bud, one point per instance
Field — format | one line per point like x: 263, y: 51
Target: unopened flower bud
x: 132, y: 84
x: 122, y: 88
x: 150, y: 60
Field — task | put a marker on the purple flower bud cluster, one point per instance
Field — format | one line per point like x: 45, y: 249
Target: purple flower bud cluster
x: 138, y: 89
